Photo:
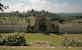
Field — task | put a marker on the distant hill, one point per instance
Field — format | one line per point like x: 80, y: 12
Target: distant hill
x: 70, y: 14
x: 50, y: 15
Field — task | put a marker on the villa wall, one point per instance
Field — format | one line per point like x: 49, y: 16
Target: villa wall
x: 13, y: 28
x: 70, y: 28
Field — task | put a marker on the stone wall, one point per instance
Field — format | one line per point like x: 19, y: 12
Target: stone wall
x: 70, y: 28
x: 13, y: 28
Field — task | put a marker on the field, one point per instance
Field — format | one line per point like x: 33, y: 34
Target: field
x: 54, y: 41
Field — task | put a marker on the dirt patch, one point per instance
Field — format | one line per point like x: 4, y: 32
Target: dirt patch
x: 41, y: 44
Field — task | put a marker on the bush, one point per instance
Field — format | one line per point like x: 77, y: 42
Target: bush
x: 72, y: 42
x: 13, y: 40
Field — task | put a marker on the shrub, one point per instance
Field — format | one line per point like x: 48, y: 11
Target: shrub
x: 72, y: 42
x: 12, y: 40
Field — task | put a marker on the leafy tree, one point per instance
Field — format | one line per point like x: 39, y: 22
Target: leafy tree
x: 2, y: 7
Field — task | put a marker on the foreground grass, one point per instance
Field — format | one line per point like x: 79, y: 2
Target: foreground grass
x: 52, y: 39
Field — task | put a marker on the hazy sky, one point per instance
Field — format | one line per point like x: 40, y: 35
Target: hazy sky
x: 50, y: 5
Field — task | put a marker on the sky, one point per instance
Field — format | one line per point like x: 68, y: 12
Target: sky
x: 56, y: 6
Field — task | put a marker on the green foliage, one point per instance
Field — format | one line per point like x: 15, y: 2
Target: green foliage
x: 12, y: 39
x: 72, y: 42
x: 12, y: 20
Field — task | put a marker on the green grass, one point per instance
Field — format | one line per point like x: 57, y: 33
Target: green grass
x: 53, y: 39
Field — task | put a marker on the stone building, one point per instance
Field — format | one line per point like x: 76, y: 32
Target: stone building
x: 39, y: 24
x: 70, y: 28
x: 42, y: 24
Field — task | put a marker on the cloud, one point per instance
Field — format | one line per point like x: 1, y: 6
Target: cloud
x: 48, y: 5
x: 20, y: 5
x: 73, y: 8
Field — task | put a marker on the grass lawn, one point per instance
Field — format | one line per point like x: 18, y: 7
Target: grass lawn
x: 53, y: 39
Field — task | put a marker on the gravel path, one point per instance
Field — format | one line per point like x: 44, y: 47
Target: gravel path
x: 33, y: 47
